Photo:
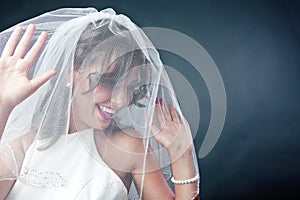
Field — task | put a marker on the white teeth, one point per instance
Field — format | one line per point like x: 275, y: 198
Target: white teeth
x: 108, y: 110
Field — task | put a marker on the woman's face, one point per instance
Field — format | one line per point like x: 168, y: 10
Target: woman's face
x: 95, y: 108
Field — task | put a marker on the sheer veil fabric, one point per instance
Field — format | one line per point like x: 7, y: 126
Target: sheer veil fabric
x: 90, y: 50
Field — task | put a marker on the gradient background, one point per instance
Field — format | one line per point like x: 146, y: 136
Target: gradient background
x: 256, y: 46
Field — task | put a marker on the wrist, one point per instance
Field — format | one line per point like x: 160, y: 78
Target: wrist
x: 6, y: 103
x: 181, y: 152
x: 5, y: 108
x: 184, y: 168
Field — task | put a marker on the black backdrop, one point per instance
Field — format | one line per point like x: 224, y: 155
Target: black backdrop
x: 256, y: 47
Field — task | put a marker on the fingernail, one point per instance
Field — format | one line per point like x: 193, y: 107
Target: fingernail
x: 18, y: 28
x: 161, y: 100
x: 156, y: 100
x: 44, y: 32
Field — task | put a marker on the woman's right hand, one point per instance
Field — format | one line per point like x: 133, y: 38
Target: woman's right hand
x: 15, y: 65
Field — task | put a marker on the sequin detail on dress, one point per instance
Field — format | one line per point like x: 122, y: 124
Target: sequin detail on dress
x: 39, y: 178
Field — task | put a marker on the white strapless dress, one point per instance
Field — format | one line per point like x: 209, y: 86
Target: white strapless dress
x: 73, y: 170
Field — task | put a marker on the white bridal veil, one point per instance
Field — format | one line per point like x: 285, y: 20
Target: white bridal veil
x: 118, y: 52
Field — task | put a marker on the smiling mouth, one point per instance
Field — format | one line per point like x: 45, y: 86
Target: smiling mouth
x: 105, y: 112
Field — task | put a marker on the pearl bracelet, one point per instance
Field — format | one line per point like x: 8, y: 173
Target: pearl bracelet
x: 190, y: 180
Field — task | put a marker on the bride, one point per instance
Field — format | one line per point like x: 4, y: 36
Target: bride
x: 88, y: 112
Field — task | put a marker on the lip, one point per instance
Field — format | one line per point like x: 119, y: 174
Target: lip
x: 105, y: 115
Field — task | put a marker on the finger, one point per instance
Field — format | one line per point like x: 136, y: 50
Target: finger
x: 165, y: 109
x: 41, y: 79
x: 173, y: 113
x: 153, y: 128
x: 23, y: 44
x: 36, y: 48
x: 159, y: 113
x: 158, y: 134
x: 12, y: 42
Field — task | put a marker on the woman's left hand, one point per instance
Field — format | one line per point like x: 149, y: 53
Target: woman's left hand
x: 173, y: 131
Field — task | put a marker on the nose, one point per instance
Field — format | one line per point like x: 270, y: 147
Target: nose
x: 119, y: 96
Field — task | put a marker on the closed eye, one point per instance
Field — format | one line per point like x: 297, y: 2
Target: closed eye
x: 105, y: 80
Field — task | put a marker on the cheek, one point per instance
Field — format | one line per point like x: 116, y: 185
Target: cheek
x: 102, y: 93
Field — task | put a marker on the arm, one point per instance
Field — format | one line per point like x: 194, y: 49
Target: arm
x: 15, y: 87
x: 154, y: 183
x: 5, y: 187
x: 183, y: 168
x: 14, y: 70
x: 17, y: 149
x: 174, y: 134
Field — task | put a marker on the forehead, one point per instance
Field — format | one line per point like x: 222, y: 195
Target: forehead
x: 117, y: 72
x: 124, y: 64
x: 129, y: 65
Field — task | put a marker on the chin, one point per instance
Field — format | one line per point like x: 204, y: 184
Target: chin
x: 102, y: 125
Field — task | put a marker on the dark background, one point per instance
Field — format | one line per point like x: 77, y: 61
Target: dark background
x: 256, y: 46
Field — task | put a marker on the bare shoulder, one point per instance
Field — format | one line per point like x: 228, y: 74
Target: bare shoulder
x: 129, y: 140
